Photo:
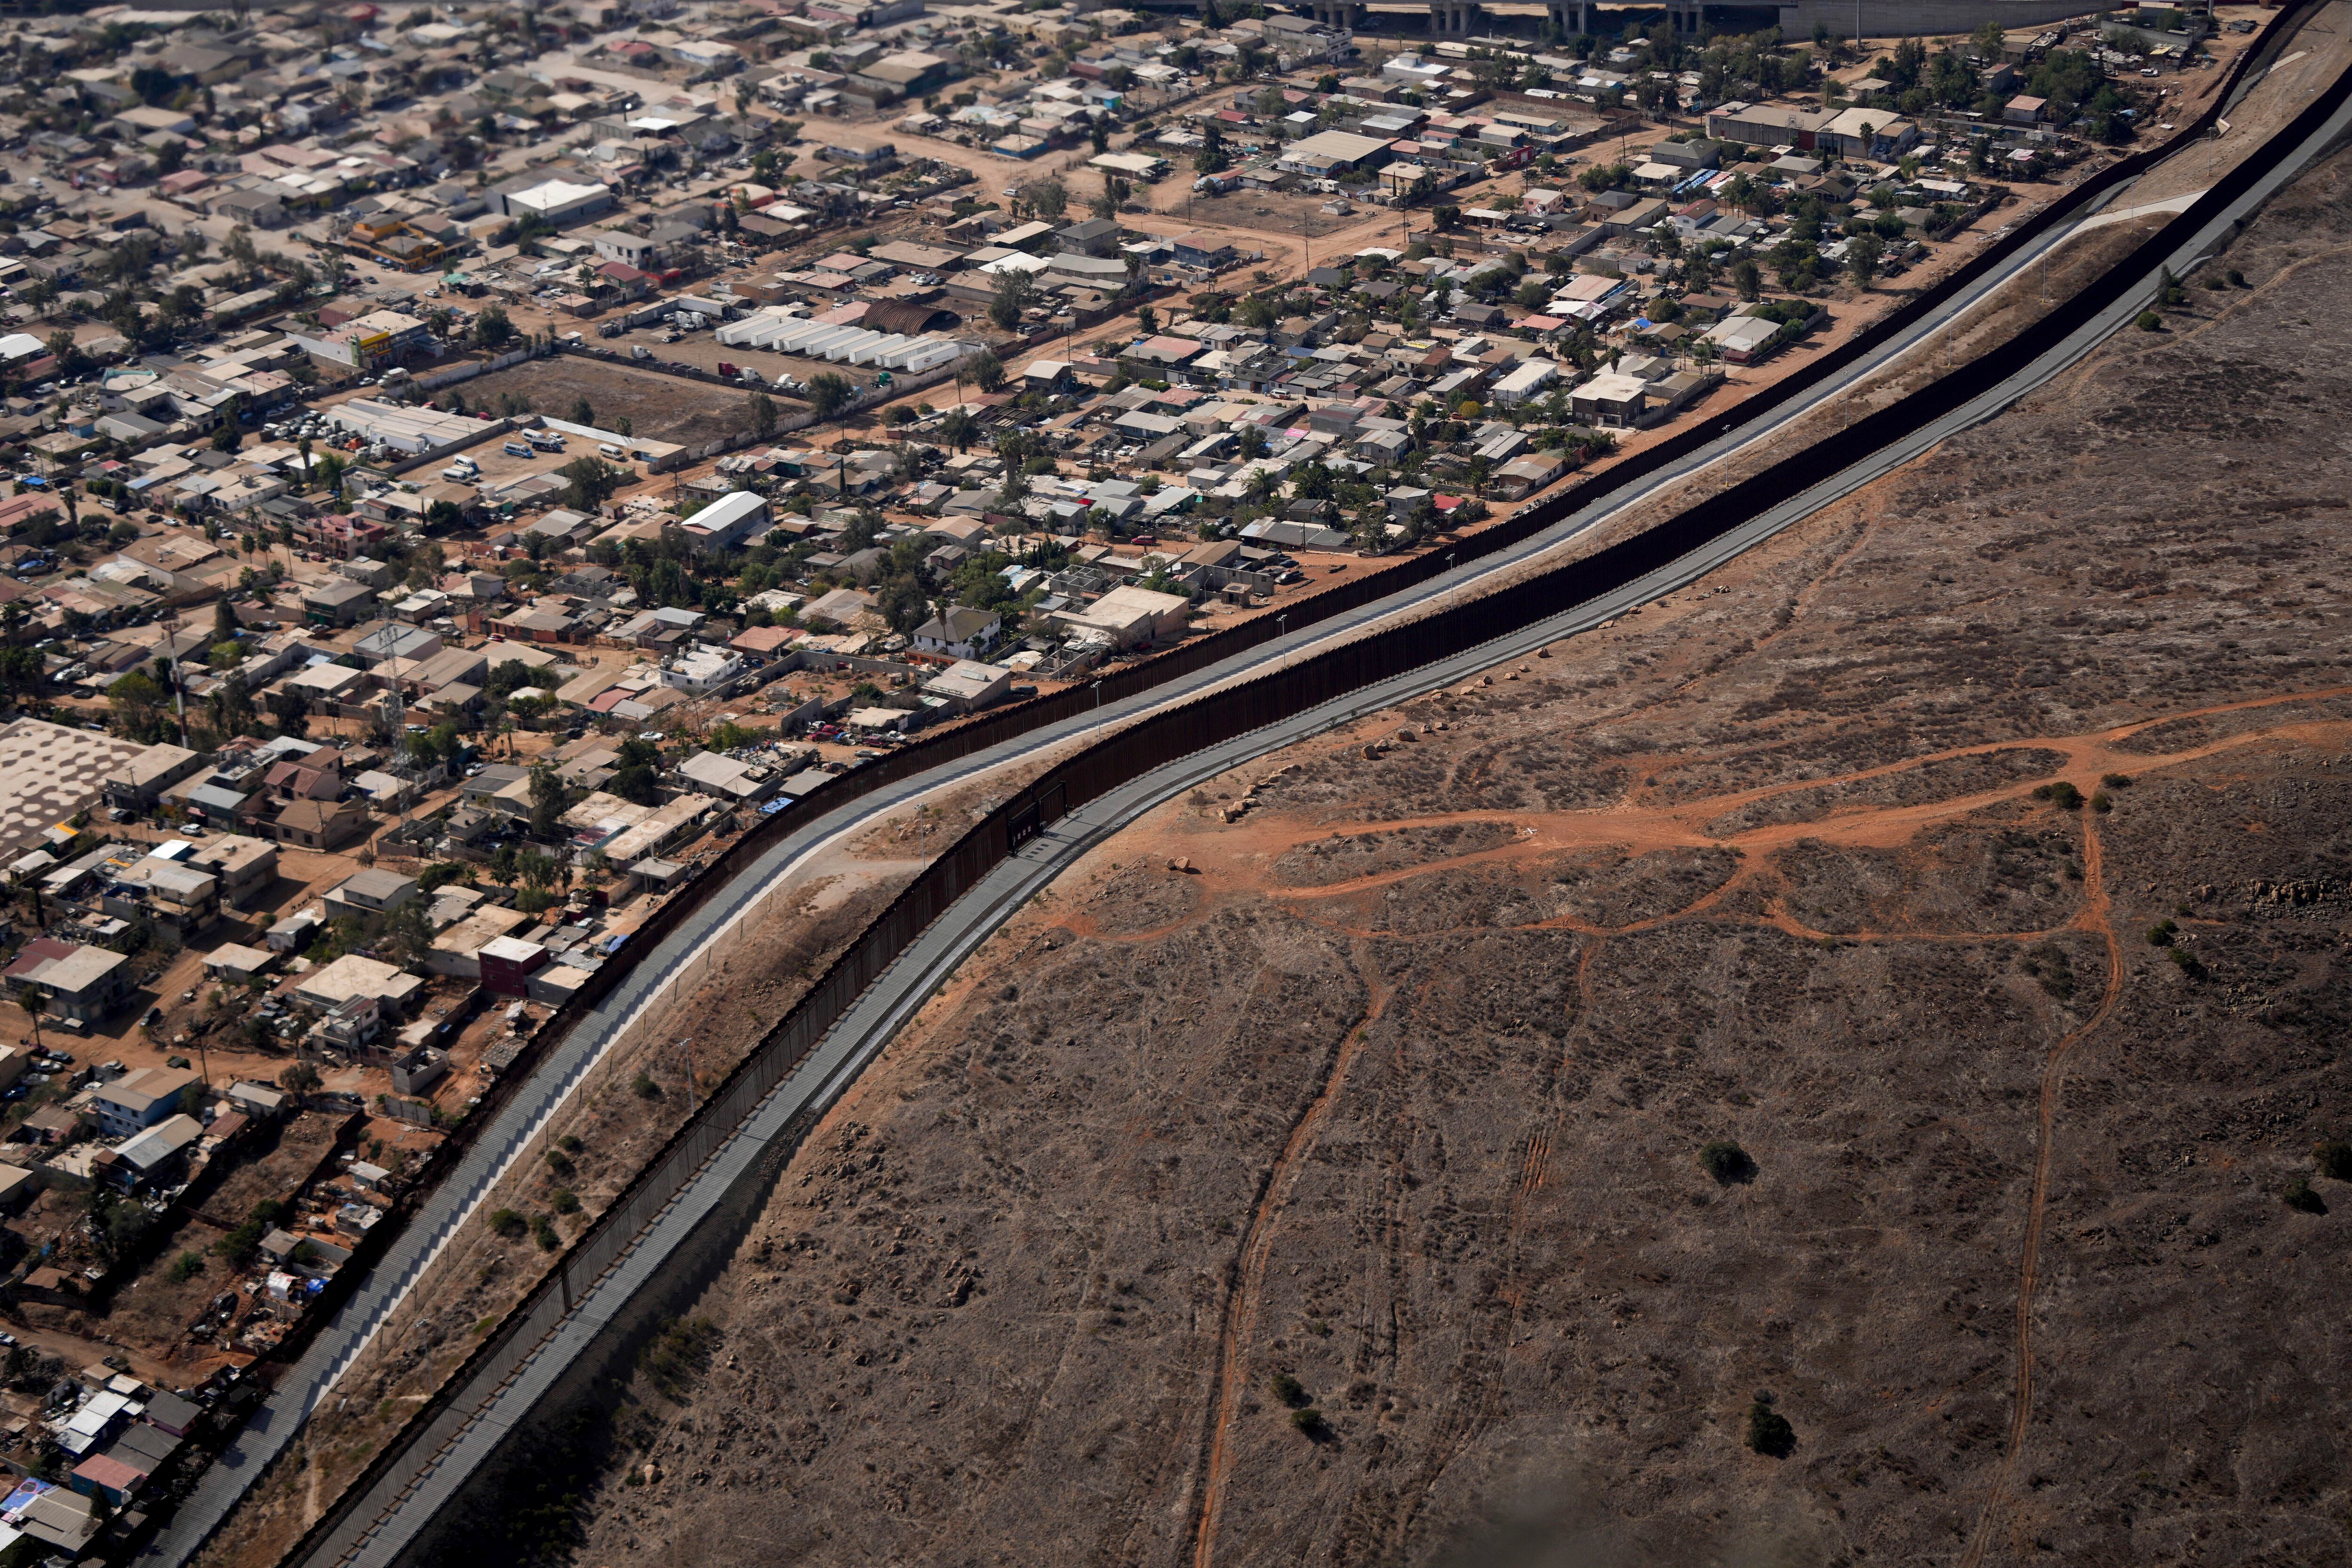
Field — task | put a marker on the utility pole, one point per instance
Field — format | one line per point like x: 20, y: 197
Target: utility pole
x: 179, y: 701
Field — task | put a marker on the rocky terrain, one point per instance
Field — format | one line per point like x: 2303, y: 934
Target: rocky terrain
x: 1824, y: 1070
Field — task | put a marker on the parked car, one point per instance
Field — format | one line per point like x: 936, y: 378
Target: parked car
x: 517, y: 449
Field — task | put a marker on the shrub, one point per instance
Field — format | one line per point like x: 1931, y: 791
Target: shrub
x: 2062, y: 794
x: 508, y: 1223
x: 2102, y: 802
x: 2048, y: 963
x: 2301, y: 1198
x: 565, y: 1200
x: 2334, y: 1160
x: 543, y: 1230
x: 559, y: 1162
x: 643, y: 1087
x: 1310, y: 1422
x: 1768, y: 1432
x: 1289, y: 1390
x: 2149, y: 321
x: 1727, y: 1162
x: 2117, y: 781
x: 678, y: 1353
x: 186, y: 1267
x: 570, y: 1143
x: 2160, y: 933
x: 2186, y: 961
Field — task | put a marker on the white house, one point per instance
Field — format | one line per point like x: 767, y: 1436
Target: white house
x: 701, y: 668
x: 1525, y: 381
x: 961, y: 632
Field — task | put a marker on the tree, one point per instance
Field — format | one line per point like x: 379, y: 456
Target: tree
x: 1015, y: 292
x: 492, y: 329
x: 1050, y: 198
x: 986, y: 370
x: 1862, y: 254
x: 115, y: 1227
x: 582, y: 412
x: 550, y: 797
x: 762, y: 409
x: 958, y: 429
x: 1768, y: 1432
x: 830, y: 392
x: 35, y: 1002
x: 592, y: 481
x: 638, y: 776
x: 22, y: 670
x: 1727, y: 1162
x: 1212, y: 158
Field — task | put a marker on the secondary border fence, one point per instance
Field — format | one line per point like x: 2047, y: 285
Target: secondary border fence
x: 1154, y: 740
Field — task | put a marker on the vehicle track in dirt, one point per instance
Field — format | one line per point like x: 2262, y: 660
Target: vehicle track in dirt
x: 1238, y: 1319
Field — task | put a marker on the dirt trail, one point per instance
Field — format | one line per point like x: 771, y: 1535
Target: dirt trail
x: 1634, y: 831
x: 1240, y: 1317
x: 2097, y: 915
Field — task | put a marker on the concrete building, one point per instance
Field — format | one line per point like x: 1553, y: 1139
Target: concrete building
x: 556, y: 202
x: 84, y: 983
x: 701, y: 668
x: 726, y: 778
x: 354, y: 975
x: 1129, y: 616
x: 507, y: 963
x: 137, y: 784
x: 138, y: 1101
x: 245, y: 865
x: 726, y: 522
x: 373, y: 892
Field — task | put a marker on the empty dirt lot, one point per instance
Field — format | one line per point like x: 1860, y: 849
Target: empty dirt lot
x: 658, y: 407
x: 1393, y: 1110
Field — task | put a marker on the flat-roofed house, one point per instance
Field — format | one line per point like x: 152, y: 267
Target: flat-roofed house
x: 354, y: 975
x: 135, y: 785
x: 84, y: 983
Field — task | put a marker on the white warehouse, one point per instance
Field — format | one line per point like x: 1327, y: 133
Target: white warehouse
x: 774, y: 330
